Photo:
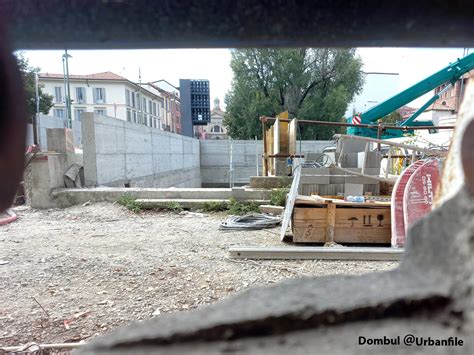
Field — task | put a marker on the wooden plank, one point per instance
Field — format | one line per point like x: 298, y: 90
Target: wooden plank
x: 309, y: 233
x: 276, y: 136
x: 359, y: 235
x: 290, y: 201
x: 319, y: 201
x: 323, y: 253
x: 270, y: 161
x: 350, y: 225
x: 314, y: 213
x: 292, y: 134
x: 331, y: 222
x: 284, y: 140
x: 312, y: 233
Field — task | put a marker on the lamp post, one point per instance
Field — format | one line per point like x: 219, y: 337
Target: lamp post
x: 36, y: 117
x: 67, y: 88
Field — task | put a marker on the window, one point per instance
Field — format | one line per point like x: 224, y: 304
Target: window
x: 154, y: 109
x: 139, y: 102
x: 150, y: 107
x: 78, y: 113
x: 155, y: 122
x: 100, y: 111
x: 140, y: 118
x: 167, y: 106
x: 216, y: 129
x: 134, y: 116
x: 80, y: 95
x: 133, y: 100
x: 127, y: 97
x: 144, y: 105
x: 129, y: 115
x: 145, y: 119
x: 58, y: 94
x: 99, y: 95
x: 59, y: 112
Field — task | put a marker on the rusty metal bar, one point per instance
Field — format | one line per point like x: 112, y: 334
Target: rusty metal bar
x: 285, y: 156
x: 393, y: 144
x: 264, y: 138
x: 371, y: 126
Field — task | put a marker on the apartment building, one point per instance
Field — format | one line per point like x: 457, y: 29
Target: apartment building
x: 445, y: 109
x: 105, y: 94
x: 171, y: 121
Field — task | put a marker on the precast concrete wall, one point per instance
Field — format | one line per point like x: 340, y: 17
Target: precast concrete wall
x: 216, y: 157
x: 117, y: 152
x: 44, y: 122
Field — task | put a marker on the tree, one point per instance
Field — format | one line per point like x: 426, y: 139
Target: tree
x: 392, y: 118
x: 29, y: 84
x: 310, y: 83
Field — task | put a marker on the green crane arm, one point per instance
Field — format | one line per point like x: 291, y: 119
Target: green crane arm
x: 449, y: 74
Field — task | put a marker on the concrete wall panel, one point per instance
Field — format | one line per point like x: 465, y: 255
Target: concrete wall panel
x: 111, y: 167
x: 119, y: 152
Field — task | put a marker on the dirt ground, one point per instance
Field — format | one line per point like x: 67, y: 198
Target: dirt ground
x: 73, y: 274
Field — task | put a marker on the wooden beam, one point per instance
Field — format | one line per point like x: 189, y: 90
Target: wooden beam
x: 331, y: 222
x: 290, y: 200
x: 323, y: 253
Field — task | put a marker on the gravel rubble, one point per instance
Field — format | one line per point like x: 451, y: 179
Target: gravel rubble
x: 70, y: 275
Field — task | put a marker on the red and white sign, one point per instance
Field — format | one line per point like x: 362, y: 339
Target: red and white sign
x: 419, y: 192
x: 398, y: 220
x: 356, y: 119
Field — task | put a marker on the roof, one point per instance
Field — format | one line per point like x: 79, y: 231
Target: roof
x: 107, y: 75
x: 217, y: 112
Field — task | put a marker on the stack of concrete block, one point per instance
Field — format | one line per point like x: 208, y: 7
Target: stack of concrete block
x: 332, y: 181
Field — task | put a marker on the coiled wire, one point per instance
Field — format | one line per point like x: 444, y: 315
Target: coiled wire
x: 250, y: 221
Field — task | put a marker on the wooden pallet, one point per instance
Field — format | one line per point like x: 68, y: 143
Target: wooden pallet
x: 318, y: 220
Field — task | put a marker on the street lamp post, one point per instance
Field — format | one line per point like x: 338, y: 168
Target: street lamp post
x: 67, y: 88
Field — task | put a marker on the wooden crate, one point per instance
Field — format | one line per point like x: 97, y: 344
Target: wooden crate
x: 341, y: 222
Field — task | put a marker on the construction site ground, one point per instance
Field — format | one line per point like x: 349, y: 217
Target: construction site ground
x: 70, y: 275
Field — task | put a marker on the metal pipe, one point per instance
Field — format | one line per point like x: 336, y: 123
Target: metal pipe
x: 372, y: 126
x: 35, y: 117
x: 68, y: 97
x: 394, y: 144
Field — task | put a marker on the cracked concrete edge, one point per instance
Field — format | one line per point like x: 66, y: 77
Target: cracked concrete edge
x: 291, y: 305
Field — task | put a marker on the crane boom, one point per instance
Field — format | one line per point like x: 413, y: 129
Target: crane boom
x: 450, y: 74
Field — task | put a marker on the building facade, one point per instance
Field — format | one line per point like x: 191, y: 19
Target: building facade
x: 445, y: 109
x: 106, y: 94
x: 215, y: 129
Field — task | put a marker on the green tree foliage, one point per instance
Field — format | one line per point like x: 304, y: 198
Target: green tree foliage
x: 29, y: 84
x: 392, y: 118
x: 311, y: 83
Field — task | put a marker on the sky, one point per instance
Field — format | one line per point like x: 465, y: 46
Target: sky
x: 412, y: 64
